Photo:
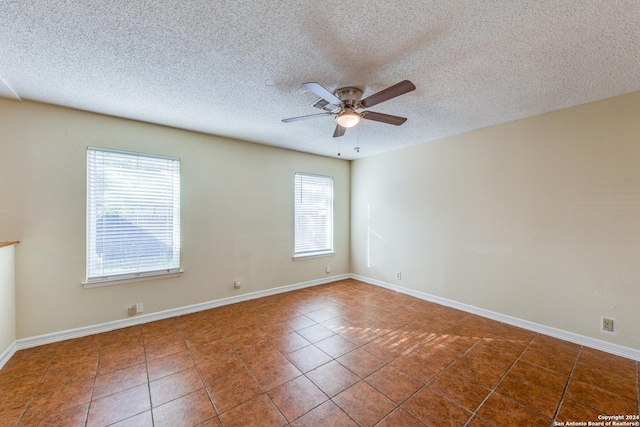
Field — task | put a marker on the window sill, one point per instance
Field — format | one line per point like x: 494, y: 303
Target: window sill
x: 299, y: 257
x: 129, y: 279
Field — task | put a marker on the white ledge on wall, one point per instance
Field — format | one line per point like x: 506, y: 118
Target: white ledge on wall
x: 98, y: 283
x: 298, y: 257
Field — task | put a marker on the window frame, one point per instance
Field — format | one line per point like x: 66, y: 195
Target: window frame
x: 173, y: 270
x: 330, y: 251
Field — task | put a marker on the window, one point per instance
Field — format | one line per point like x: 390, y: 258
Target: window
x: 133, y: 216
x: 313, y: 215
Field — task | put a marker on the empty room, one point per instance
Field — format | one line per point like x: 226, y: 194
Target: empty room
x: 261, y: 213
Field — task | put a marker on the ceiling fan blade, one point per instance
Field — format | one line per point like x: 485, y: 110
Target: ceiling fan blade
x: 325, y: 105
x: 384, y: 118
x: 322, y: 93
x: 339, y: 131
x: 388, y: 93
x: 310, y: 116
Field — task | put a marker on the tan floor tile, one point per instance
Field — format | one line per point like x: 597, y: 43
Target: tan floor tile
x: 52, y: 398
x: 364, y: 404
x: 163, y: 348
x: 168, y: 365
x: 540, y: 399
x: 315, y: 333
x: 72, y: 372
x: 258, y: 412
x: 75, y: 416
x: 559, y: 362
x: 119, y: 359
x: 144, y: 419
x: 539, y: 376
x: 606, y: 402
x: 299, y: 322
x: 189, y: 410
x: 174, y: 386
x: 607, y: 380
x: 459, y: 389
x: 308, y: 358
x: 201, y: 337
x: 552, y: 345
x: 433, y: 409
x: 502, y: 411
x: 394, y: 384
x: 607, y: 362
x: 332, y: 378
x: 233, y: 391
x: 327, y: 414
x: 117, y: 381
x: 273, y: 373
x: 208, y: 352
x: 423, y: 369
x: 225, y: 365
x: 320, y: 315
x: 336, y: 346
x: 570, y: 410
x: 478, y: 422
x: 360, y: 362
x: 289, y: 343
x: 297, y: 397
x: 513, y: 333
x: 392, y: 345
x: 119, y: 406
x: 400, y: 417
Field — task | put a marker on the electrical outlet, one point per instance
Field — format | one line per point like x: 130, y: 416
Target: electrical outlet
x: 328, y: 269
x: 398, y: 275
x: 132, y: 310
x: 607, y: 325
x: 236, y: 284
x: 139, y: 308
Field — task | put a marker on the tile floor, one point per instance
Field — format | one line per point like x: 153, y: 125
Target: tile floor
x: 342, y: 354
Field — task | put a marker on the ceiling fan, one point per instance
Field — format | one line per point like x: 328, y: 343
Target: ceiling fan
x: 344, y: 102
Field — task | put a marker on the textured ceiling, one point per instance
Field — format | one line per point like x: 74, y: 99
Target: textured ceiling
x: 235, y: 68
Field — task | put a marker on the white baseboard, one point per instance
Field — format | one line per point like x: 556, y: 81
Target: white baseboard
x: 6, y: 355
x: 619, y: 350
x: 152, y: 317
x: 608, y: 347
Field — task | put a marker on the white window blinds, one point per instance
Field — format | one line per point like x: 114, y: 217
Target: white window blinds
x: 313, y: 214
x: 133, y: 214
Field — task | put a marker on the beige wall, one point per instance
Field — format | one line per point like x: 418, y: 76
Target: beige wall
x: 7, y: 298
x: 537, y: 219
x: 237, y: 215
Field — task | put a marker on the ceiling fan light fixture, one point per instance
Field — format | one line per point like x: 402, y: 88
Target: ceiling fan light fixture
x: 348, y: 119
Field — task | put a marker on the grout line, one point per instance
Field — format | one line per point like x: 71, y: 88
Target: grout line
x: 566, y: 386
x: 506, y: 372
x: 35, y: 390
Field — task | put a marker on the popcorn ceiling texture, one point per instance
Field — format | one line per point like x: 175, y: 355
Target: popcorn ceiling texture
x: 235, y: 68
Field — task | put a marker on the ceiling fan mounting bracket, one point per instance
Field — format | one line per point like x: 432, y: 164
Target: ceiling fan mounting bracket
x: 349, y: 95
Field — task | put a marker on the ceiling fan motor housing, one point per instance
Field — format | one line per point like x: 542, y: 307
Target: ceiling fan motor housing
x: 348, y: 95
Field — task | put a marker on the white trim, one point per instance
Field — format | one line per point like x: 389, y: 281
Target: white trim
x: 119, y: 280
x: 608, y: 347
x: 8, y: 353
x: 132, y: 153
x: 619, y: 350
x: 299, y: 257
x: 152, y: 317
